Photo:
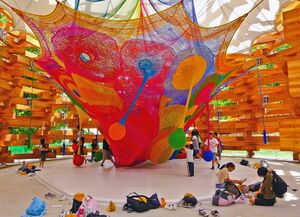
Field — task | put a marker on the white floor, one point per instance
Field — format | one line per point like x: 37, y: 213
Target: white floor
x: 168, y: 180
x: 17, y: 191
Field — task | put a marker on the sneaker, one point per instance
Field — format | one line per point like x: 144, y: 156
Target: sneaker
x: 174, y: 206
x: 203, y: 213
x: 50, y: 195
x: 62, y: 198
x: 63, y: 213
x: 215, y: 213
x: 170, y: 207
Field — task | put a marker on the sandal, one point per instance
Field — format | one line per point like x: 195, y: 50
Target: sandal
x: 215, y: 213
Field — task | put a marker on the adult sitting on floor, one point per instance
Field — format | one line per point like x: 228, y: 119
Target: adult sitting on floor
x: 265, y: 196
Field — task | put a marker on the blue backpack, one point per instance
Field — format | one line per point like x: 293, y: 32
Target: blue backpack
x: 36, y: 208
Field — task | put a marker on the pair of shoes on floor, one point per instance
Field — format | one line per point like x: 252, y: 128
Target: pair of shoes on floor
x: 215, y: 213
x: 203, y: 212
x: 50, y: 195
x: 171, y: 207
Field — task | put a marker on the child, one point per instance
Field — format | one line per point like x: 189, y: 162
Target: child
x: 219, y: 145
x: 195, y: 143
x: 190, y: 159
x: 107, y: 153
x: 95, y: 147
x: 223, y: 175
x: 213, y: 142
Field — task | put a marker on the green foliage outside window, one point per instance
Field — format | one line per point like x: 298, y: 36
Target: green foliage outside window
x: 20, y: 112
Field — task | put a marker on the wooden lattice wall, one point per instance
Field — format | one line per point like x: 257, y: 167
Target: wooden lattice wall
x: 240, y: 123
x: 26, y: 89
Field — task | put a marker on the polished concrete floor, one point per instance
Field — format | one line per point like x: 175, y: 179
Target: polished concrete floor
x: 168, y: 180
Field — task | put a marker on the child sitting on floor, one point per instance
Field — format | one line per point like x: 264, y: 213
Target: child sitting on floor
x: 223, y: 175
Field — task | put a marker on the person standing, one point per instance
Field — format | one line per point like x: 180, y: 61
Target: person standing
x: 213, y: 143
x: 107, y: 153
x: 190, y: 159
x: 219, y: 145
x: 195, y: 143
x: 43, y: 150
x: 95, y: 147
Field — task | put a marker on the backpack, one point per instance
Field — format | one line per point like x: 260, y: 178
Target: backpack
x: 190, y: 200
x: 88, y: 205
x: 36, y: 208
x: 279, y: 186
x: 233, y: 189
x: 244, y: 162
x: 137, y: 203
x: 77, y: 201
x: 153, y: 202
x: 222, y: 198
x: 96, y: 215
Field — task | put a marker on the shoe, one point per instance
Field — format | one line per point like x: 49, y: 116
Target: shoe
x: 63, y: 213
x: 212, y: 168
x: 215, y: 213
x: 62, y: 198
x: 170, y: 207
x: 50, y: 195
x: 174, y: 206
x: 203, y: 213
x: 102, y: 165
x: 218, y: 166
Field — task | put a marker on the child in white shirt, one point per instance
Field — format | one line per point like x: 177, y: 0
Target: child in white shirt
x: 213, y: 142
x: 190, y: 159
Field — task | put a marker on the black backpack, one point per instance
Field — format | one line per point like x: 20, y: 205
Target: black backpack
x: 233, y: 189
x: 137, y: 203
x: 244, y: 162
x: 190, y: 201
x: 279, y: 186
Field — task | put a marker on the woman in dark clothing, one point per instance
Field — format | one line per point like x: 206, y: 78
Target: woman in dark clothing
x: 265, y: 196
x: 94, y: 149
x: 107, y: 153
x: 81, y: 146
x: 43, y: 151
